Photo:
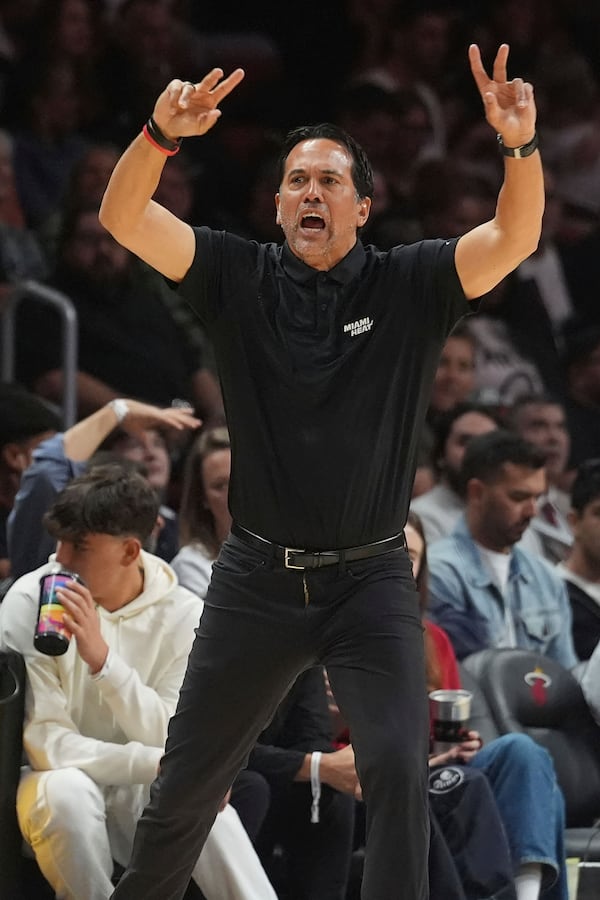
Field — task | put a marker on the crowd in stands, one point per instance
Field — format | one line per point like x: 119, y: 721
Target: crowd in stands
x: 504, y: 529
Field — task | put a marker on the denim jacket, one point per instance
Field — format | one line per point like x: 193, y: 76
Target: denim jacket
x: 29, y: 544
x: 466, y: 603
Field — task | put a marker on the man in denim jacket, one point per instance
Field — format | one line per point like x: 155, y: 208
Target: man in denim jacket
x: 485, y: 591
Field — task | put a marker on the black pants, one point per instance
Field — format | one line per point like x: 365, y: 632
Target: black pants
x: 261, y: 626
x: 444, y: 882
x: 465, y: 809
x: 315, y: 861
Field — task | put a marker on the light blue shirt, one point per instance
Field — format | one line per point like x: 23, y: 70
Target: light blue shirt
x: 469, y: 606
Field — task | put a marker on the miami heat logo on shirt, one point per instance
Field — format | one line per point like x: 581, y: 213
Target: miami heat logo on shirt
x: 358, y: 327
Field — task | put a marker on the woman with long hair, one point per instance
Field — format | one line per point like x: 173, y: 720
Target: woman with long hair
x: 204, y: 517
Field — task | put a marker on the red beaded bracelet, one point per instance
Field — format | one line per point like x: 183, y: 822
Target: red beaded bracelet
x: 154, y: 136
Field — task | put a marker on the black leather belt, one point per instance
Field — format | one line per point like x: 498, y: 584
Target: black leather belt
x: 294, y: 558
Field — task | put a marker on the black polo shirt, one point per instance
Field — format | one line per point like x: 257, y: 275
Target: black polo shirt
x: 326, y: 378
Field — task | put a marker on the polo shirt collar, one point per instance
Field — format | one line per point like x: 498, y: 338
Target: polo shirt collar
x: 344, y: 273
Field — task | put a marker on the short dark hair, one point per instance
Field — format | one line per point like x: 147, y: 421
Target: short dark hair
x: 581, y: 339
x: 108, y: 499
x: 359, y: 100
x: 463, y: 331
x: 70, y: 222
x: 103, y: 457
x: 488, y: 453
x: 445, y: 421
x: 362, y: 173
x: 512, y: 413
x: 586, y: 486
x: 24, y: 415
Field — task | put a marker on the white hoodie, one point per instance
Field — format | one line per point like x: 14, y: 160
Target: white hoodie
x: 113, y: 725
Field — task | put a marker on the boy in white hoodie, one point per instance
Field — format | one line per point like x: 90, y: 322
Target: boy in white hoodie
x: 96, y: 717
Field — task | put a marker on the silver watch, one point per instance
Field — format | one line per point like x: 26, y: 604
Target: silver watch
x: 120, y: 409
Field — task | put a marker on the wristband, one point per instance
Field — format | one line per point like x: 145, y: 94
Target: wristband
x: 159, y: 141
x: 120, y: 409
x: 519, y: 152
x: 315, y: 785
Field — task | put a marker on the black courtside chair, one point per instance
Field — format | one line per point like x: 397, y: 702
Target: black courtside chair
x: 12, y: 697
x: 527, y: 692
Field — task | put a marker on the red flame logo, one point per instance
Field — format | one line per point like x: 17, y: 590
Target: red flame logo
x: 538, y: 681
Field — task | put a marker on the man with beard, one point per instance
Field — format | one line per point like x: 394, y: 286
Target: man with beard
x: 440, y: 508
x: 485, y: 591
x: 129, y: 343
x: 541, y: 420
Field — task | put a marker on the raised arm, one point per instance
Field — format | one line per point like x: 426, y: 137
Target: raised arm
x: 84, y: 438
x: 59, y: 459
x: 128, y: 211
x: 485, y: 255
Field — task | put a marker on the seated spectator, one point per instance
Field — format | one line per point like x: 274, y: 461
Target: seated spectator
x: 519, y: 771
x: 129, y: 343
x: 25, y: 421
x: 152, y: 42
x: 85, y: 189
x: 204, y: 517
x: 545, y: 266
x: 484, y: 590
x: 541, y: 420
x: 590, y: 683
x: 20, y: 253
x: 66, y: 455
x: 71, y: 31
x: 49, y: 101
x: 582, y: 401
x: 412, y: 60
x: 570, y: 130
x: 513, y: 337
x: 454, y: 380
x: 152, y: 447
x: 440, y: 508
x: 453, y: 196
x: 581, y: 568
x: 96, y: 717
x: 315, y: 834
x: 425, y: 475
x: 497, y: 813
x: 373, y: 114
x: 579, y: 244
x: 516, y: 350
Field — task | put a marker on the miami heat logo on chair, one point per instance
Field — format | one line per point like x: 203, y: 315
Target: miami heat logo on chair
x: 538, y: 681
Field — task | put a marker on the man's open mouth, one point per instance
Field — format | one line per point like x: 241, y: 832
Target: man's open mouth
x: 312, y: 221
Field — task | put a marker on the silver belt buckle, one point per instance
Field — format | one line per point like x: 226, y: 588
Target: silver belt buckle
x: 286, y: 556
